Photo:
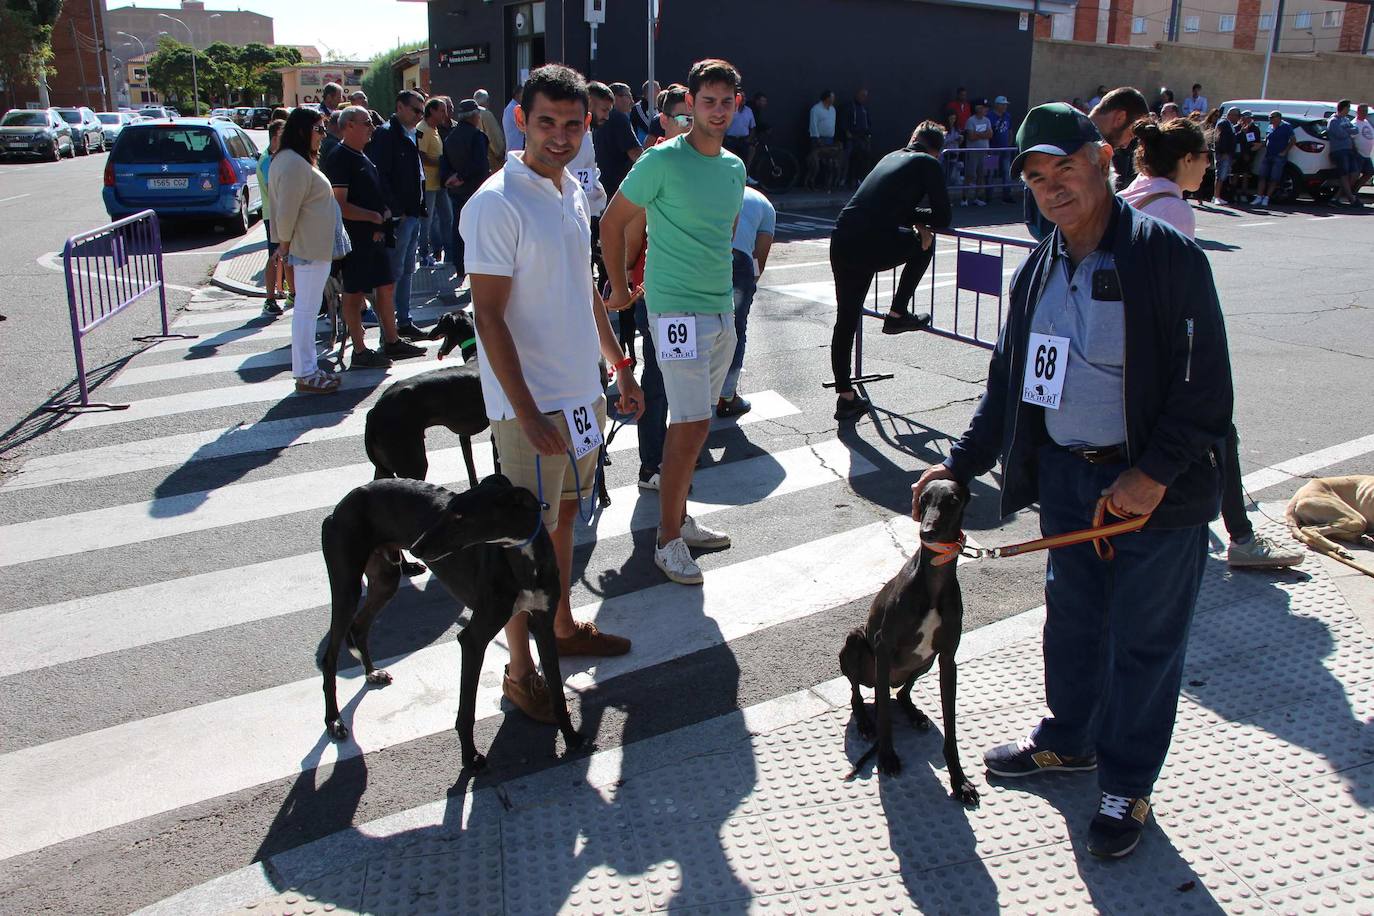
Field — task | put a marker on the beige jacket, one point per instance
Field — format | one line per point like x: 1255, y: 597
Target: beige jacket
x: 496, y: 140
x: 302, y: 207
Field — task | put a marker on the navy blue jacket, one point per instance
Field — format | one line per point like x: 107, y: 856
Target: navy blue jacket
x: 398, y: 161
x: 465, y: 155
x: 1177, y: 374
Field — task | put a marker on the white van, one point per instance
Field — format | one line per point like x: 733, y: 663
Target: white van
x: 1310, y: 169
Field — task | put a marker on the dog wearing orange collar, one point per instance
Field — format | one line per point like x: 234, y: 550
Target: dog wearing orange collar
x: 918, y: 617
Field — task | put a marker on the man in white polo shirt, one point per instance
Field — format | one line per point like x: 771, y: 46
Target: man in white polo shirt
x: 540, y: 330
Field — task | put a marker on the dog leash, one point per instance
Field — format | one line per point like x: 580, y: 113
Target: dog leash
x: 1099, y: 533
x: 590, y: 502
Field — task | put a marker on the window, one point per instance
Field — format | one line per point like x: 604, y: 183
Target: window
x: 1138, y: 25
x: 1303, y: 20
x: 1226, y: 23
x: 1192, y: 23
x: 1331, y: 19
x: 174, y: 145
x: 1266, y: 22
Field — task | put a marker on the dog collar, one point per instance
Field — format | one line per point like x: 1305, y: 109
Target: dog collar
x: 946, y: 551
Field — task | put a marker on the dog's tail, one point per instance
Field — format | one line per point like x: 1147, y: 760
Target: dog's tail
x: 1318, y: 542
x: 859, y: 765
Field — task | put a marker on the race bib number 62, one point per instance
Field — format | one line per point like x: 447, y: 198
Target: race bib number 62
x: 584, y: 429
x: 677, y: 338
x: 1047, y: 359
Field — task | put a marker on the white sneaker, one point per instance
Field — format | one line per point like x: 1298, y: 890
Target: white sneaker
x: 650, y: 482
x: 698, y: 535
x: 963, y: 203
x: 677, y: 563
x: 1218, y: 202
x: 1262, y: 552
x: 979, y: 202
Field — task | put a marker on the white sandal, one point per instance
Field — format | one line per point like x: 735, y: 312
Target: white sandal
x: 318, y: 383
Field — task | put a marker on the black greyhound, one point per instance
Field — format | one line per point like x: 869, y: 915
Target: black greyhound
x: 394, y: 436
x: 486, y: 545
x: 916, y: 618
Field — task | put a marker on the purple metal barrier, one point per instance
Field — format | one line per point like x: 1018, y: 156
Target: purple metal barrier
x: 961, y: 165
x: 978, y: 270
x: 107, y: 270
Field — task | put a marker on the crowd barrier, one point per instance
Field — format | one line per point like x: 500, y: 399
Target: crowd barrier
x: 962, y: 169
x: 982, y: 270
x: 107, y: 270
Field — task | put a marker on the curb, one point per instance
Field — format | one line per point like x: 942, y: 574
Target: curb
x: 252, y: 246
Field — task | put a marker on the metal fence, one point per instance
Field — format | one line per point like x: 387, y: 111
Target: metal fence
x: 970, y: 171
x: 107, y: 270
x: 977, y: 310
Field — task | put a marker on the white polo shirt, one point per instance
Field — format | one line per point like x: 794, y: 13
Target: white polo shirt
x: 583, y: 168
x: 518, y: 225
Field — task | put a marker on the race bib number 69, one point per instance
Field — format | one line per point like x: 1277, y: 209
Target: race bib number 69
x: 677, y: 338
x: 1047, y: 359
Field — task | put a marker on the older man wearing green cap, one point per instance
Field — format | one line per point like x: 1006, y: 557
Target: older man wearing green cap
x: 1111, y: 381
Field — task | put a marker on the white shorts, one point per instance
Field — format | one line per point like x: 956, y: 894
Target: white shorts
x: 692, y: 386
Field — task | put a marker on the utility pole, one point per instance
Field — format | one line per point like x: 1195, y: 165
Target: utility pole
x: 650, y: 102
x: 81, y: 65
x: 1171, y: 28
x: 1273, y: 46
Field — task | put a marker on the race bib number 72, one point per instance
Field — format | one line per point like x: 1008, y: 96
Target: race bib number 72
x: 1047, y: 359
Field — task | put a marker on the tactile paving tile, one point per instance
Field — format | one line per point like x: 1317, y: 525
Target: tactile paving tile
x: 337, y: 892
x: 700, y: 865
x: 1317, y: 736
x: 1278, y: 841
x: 1207, y: 772
x: 1350, y: 894
x: 1346, y: 797
x: 779, y: 904
x: 1222, y: 586
x: 575, y: 849
x: 1010, y: 676
x: 1164, y: 876
x: 707, y: 789
x: 425, y: 885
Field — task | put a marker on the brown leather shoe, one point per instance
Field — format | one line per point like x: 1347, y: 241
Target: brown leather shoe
x: 588, y: 640
x: 530, y: 695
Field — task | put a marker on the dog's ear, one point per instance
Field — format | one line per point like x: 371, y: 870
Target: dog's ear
x: 496, y: 481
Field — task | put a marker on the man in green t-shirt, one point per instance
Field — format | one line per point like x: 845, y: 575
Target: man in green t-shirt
x: 691, y: 189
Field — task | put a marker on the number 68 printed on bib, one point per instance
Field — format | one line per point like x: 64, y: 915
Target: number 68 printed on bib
x: 1047, y: 360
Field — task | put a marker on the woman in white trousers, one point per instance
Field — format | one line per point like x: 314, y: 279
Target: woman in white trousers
x: 304, y: 215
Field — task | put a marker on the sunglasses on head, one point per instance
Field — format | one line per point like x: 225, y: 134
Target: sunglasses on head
x: 683, y: 120
x: 319, y: 129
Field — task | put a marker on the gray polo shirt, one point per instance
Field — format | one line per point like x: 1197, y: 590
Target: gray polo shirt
x: 1092, y: 410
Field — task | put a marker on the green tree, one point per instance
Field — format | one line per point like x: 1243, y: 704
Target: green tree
x: 27, y: 39
x: 225, y: 74
x: 169, y: 69
x: 379, y: 80
x: 261, y: 63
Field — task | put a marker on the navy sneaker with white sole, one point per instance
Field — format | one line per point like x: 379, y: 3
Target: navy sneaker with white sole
x: 1116, y: 828
x: 1023, y: 758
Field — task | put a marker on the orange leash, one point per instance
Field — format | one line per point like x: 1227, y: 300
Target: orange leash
x: 1098, y: 534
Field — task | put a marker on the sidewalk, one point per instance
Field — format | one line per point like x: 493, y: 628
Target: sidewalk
x: 1266, y: 803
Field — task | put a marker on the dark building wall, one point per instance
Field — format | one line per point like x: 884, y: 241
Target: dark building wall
x: 910, y: 55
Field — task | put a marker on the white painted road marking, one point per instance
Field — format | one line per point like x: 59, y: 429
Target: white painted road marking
x: 735, y: 484
x: 145, y: 454
x: 1306, y: 464
x: 79, y: 785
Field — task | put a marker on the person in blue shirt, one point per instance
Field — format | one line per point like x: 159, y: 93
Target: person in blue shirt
x: 753, y: 238
x: 1001, y: 139
x: 1348, y: 165
x: 1276, y: 146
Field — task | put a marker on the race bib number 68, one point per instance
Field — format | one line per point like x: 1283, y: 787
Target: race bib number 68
x: 1047, y: 359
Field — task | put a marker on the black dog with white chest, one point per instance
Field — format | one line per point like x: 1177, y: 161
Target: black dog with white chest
x: 488, y: 548
x: 916, y: 618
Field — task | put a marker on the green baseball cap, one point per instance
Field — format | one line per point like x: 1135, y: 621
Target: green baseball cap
x: 1058, y: 129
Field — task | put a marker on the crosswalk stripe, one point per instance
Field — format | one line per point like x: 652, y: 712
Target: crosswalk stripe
x: 76, y: 786
x: 823, y: 291
x: 239, y: 394
x: 184, y: 448
x: 736, y: 483
x: 198, y: 319
x: 271, y: 332
x: 54, y: 634
x: 190, y: 367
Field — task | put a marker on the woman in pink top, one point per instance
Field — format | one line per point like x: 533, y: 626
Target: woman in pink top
x: 1170, y: 159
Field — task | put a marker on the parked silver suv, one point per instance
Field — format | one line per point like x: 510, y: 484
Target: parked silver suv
x: 87, y: 132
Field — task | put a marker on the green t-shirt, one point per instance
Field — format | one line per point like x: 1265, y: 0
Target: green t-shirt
x: 692, y: 201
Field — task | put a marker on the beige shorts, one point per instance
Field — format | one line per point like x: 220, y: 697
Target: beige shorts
x: 517, y: 459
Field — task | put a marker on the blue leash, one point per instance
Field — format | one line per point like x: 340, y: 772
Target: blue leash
x: 590, y: 503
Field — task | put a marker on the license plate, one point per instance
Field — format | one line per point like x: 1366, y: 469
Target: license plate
x: 14, y: 144
x: 167, y: 184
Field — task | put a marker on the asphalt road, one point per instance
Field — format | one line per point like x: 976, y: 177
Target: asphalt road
x: 162, y: 719
x: 41, y: 205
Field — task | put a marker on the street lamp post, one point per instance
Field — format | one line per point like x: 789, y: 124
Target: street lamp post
x: 195, y: 81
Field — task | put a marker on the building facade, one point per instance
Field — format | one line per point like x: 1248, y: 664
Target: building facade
x: 1305, y: 26
x: 235, y: 27
x: 909, y: 54
x: 303, y: 84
